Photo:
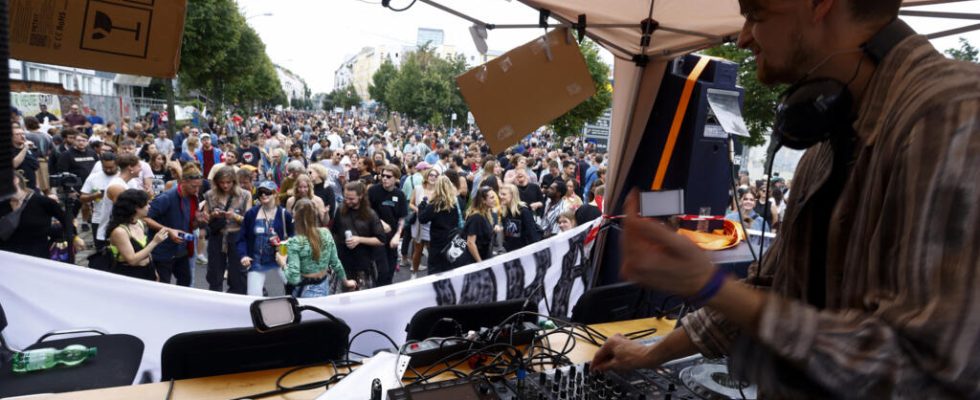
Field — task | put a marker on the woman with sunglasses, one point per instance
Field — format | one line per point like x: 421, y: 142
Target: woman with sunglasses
x: 263, y: 228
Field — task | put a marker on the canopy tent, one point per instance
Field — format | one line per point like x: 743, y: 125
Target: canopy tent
x: 675, y: 28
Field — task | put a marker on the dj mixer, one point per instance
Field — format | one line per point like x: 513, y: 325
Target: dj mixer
x: 692, y: 378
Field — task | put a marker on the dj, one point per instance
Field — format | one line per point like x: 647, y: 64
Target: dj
x: 872, y: 289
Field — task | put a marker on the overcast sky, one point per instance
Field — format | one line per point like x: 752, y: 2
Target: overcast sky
x: 313, y: 37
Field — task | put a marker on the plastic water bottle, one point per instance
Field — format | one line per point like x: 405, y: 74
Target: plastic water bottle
x: 46, y: 358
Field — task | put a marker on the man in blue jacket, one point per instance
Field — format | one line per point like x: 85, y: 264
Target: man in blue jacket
x: 177, y: 209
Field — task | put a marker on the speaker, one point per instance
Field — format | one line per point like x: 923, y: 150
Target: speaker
x: 699, y: 163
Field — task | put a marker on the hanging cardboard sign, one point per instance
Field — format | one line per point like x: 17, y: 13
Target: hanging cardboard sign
x: 527, y: 87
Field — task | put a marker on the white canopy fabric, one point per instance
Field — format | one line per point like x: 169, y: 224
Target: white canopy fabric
x: 684, y: 26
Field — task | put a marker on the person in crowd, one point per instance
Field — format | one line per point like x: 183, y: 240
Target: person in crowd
x: 303, y: 189
x: 320, y: 176
x: 360, y: 229
x: 747, y: 214
x: 131, y: 252
x: 26, y: 160
x: 566, y: 221
x: 516, y: 219
x: 294, y: 169
x: 572, y: 200
x: 444, y: 216
x: 275, y: 168
x: 554, y: 206
x: 207, y: 156
x: 311, y: 255
x: 479, y: 227
x: 79, y: 159
x: 248, y: 152
x: 365, y: 172
x: 264, y: 227
x: 93, y: 192
x: 47, y: 117
x: 225, y: 205
x: 177, y: 211
x: 762, y: 199
x: 488, y: 170
x: 163, y: 172
x: 164, y: 145
x: 191, y: 145
x: 246, y: 181
x: 230, y: 160
x: 391, y: 206
x: 530, y: 192
x: 551, y: 174
x: 76, y: 120
x: 25, y: 221
x: 421, y: 230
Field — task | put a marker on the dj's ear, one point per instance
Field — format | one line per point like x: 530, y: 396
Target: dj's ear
x: 821, y: 8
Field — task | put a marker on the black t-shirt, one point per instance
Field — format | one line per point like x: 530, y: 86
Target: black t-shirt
x: 531, y: 194
x: 30, y: 167
x: 250, y: 156
x: 360, y: 257
x: 44, y: 114
x: 77, y: 162
x: 477, y: 225
x: 390, y: 206
x: 520, y: 230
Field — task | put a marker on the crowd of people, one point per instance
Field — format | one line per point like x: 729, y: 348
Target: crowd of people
x: 326, y: 201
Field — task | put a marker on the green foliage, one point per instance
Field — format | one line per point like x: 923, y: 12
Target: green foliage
x: 380, y: 81
x: 759, y: 107
x: 224, y: 58
x: 424, y: 88
x: 590, y: 110
x: 966, y: 52
x: 344, y: 98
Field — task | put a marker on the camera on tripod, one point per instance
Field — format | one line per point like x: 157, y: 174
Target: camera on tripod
x: 66, y: 180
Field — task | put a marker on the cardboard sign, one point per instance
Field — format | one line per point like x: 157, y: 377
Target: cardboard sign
x: 527, y: 87
x: 139, y: 37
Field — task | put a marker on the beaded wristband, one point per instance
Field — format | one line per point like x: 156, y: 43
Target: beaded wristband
x: 709, y: 290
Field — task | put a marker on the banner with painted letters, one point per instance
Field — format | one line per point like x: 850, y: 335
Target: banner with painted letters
x: 39, y: 296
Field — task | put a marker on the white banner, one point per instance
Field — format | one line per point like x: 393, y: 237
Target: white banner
x: 30, y: 103
x: 39, y: 296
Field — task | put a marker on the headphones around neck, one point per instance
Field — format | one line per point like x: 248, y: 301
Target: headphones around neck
x: 814, y: 110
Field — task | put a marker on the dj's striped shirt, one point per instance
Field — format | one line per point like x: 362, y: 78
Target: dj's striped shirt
x: 900, y: 314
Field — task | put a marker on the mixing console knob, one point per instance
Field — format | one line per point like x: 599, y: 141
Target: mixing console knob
x: 667, y: 396
x: 484, y: 389
x: 571, y: 371
x: 558, y: 375
x: 542, y: 378
x: 671, y: 387
x: 585, y: 368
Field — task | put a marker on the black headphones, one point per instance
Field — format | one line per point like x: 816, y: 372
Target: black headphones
x: 813, y: 110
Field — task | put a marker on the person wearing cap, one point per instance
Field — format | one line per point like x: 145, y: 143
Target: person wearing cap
x: 177, y: 210
x: 207, y: 155
x: 263, y: 228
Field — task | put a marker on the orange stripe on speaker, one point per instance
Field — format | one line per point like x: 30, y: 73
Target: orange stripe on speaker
x: 675, y: 126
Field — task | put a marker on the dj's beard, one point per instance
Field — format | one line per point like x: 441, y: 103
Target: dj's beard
x: 791, y: 69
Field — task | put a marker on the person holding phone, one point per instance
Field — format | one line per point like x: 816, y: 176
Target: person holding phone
x: 264, y: 227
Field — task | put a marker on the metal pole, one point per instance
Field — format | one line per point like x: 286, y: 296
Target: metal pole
x: 171, y: 110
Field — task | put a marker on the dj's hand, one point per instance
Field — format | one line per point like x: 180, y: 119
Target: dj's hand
x: 659, y: 258
x: 621, y: 354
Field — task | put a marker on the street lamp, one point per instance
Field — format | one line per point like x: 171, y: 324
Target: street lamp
x: 268, y: 14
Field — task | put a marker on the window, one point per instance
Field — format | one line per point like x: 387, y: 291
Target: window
x: 43, y: 75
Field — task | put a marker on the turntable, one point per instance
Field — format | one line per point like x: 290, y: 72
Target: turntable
x: 711, y: 380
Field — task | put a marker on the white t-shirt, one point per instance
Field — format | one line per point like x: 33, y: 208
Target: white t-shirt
x: 96, y: 182
x: 145, y: 173
x: 107, y: 204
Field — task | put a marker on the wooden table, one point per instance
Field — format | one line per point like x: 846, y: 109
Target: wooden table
x: 248, y: 383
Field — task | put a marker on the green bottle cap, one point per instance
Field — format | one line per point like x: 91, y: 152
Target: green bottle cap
x: 92, y: 351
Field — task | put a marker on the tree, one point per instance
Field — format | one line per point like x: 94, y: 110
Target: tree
x: 224, y: 58
x: 425, y: 88
x: 344, y: 98
x: 379, y: 82
x: 966, y: 52
x: 572, y: 122
x: 759, y: 107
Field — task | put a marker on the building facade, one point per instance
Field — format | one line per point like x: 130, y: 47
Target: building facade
x: 293, y: 85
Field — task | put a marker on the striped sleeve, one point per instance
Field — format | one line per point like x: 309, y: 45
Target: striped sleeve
x: 929, y: 331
